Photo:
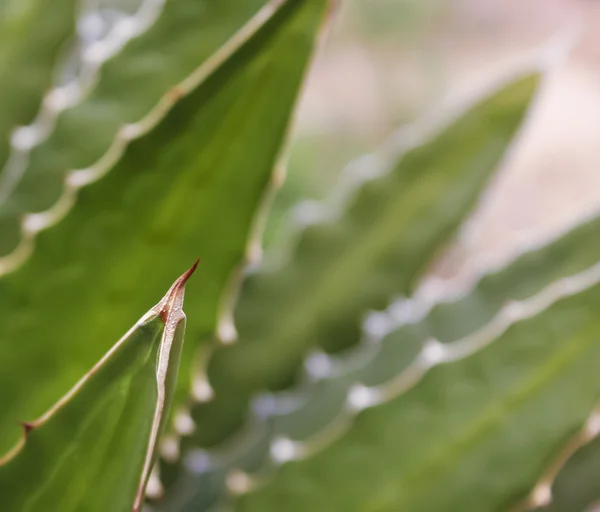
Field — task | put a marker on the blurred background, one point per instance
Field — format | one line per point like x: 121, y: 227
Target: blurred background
x: 386, y: 62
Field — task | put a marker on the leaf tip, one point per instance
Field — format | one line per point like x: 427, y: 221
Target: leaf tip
x: 174, y: 297
x: 188, y: 273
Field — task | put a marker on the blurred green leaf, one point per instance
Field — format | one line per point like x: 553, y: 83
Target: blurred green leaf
x: 31, y: 37
x: 188, y: 188
x: 94, y: 449
x: 186, y: 33
x: 374, y: 364
x: 474, y: 434
x: 342, y: 267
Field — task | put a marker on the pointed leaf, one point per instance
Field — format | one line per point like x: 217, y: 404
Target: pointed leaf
x: 94, y: 449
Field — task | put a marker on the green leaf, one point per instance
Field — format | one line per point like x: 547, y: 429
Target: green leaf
x: 455, y: 316
x: 374, y: 249
x: 31, y: 36
x: 510, y: 396
x: 186, y: 33
x: 94, y: 449
x: 188, y: 188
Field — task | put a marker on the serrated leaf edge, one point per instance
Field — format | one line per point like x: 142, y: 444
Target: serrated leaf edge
x: 62, y: 97
x: 253, y: 255
x: 34, y: 223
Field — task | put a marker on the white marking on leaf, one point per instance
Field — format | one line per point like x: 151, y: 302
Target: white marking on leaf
x: 96, y: 44
x: 78, y: 178
x: 154, y: 489
x: 283, y: 450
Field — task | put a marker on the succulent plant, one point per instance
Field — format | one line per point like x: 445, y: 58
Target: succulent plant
x: 334, y: 373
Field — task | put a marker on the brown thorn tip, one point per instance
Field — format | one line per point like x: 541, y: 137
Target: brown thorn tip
x: 184, y: 278
x: 176, y: 290
x: 27, y: 427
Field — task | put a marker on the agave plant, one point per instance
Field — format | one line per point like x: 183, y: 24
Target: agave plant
x: 333, y: 374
